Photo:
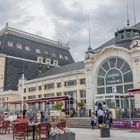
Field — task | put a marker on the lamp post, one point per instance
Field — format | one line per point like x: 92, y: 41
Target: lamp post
x: 1, y: 106
x: 22, y: 91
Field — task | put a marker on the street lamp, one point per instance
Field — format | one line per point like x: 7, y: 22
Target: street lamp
x: 1, y: 89
x: 22, y: 90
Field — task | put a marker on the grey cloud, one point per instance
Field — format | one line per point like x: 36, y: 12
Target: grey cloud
x: 70, y: 23
x: 13, y: 12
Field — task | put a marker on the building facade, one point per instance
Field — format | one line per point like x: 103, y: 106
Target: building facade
x: 22, y: 52
x: 106, y: 74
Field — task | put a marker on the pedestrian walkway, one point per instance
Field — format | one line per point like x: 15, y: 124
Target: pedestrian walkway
x: 116, y: 134
x: 88, y: 134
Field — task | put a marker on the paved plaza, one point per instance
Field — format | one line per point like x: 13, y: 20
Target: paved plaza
x: 88, y: 134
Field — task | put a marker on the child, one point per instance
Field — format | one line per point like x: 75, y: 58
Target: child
x: 93, y: 120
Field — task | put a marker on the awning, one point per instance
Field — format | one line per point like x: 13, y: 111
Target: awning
x: 48, y: 99
x: 133, y: 91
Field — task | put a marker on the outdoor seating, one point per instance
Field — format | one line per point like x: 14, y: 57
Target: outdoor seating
x: 5, y: 127
x: 20, y: 130
x: 43, y: 129
x: 61, y: 125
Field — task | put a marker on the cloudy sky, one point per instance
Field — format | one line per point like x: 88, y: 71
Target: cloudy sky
x: 67, y: 20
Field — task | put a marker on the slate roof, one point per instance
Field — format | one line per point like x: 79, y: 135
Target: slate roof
x: 125, y: 43
x: 63, y: 69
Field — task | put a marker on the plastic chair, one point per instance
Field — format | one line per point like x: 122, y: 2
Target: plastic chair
x: 20, y: 130
x: 5, y: 126
x: 43, y: 129
x: 61, y: 125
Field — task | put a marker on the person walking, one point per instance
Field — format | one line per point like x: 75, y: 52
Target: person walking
x: 93, y: 120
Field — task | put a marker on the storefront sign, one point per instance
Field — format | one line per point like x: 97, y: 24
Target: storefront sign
x: 113, y: 77
x: 126, y: 124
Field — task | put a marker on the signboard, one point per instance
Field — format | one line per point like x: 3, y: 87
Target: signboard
x: 126, y: 124
x: 113, y: 77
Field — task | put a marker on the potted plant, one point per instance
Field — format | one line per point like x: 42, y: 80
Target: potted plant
x: 104, y: 130
x: 58, y: 134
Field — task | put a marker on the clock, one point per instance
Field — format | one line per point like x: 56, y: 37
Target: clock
x: 135, y: 43
x: 87, y: 56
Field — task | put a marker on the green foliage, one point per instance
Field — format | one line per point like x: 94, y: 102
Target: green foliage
x: 80, y: 104
x: 58, y: 105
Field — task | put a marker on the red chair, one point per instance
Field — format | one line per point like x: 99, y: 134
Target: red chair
x: 20, y: 130
x: 5, y: 126
x: 43, y: 129
x: 61, y: 125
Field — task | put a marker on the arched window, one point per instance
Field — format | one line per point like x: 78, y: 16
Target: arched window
x: 114, y: 76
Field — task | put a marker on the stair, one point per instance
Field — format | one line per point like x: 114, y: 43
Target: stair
x: 80, y: 122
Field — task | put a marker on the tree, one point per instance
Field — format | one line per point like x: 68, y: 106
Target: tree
x: 59, y: 105
x: 80, y: 104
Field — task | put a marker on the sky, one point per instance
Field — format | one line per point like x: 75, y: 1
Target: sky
x: 67, y: 20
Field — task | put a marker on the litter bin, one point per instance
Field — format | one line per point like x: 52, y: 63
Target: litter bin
x: 105, y: 132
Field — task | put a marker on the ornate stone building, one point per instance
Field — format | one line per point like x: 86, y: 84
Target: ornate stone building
x: 22, y: 52
x: 106, y: 74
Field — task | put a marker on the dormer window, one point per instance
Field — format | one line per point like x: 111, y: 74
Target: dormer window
x: 53, y: 54
x: 128, y: 35
x: 122, y: 36
x: 45, y: 52
x: 10, y: 44
x: 48, y: 61
x: 19, y: 46
x: 27, y: 48
x: 55, y: 63
x: 40, y: 59
x: 66, y: 58
x: 37, y: 50
x: 60, y: 56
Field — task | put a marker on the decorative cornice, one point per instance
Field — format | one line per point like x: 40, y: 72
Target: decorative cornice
x: 81, y: 71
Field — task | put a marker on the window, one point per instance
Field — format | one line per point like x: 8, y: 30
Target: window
x: 59, y: 85
x: 122, y: 36
x: 32, y: 89
x: 40, y: 87
x: 82, y: 81
x: 45, y: 52
x: 10, y: 44
x: 53, y: 54
x: 19, y: 46
x: 49, y: 95
x: 32, y: 97
x: 66, y: 58
x: 60, y: 56
x: 70, y: 83
x: 127, y: 34
x: 136, y: 60
x: 27, y: 48
x: 40, y: 59
x: 0, y: 43
x: 82, y: 94
x: 49, y: 86
x: 38, y: 51
x: 39, y: 96
x: 59, y: 94
x: 114, y: 72
x: 24, y: 90
x: 24, y: 98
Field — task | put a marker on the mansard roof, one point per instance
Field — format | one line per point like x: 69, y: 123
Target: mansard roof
x: 64, y: 69
x: 33, y: 37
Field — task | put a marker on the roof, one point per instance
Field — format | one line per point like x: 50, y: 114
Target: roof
x: 125, y: 43
x: 23, y: 34
x: 63, y: 69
